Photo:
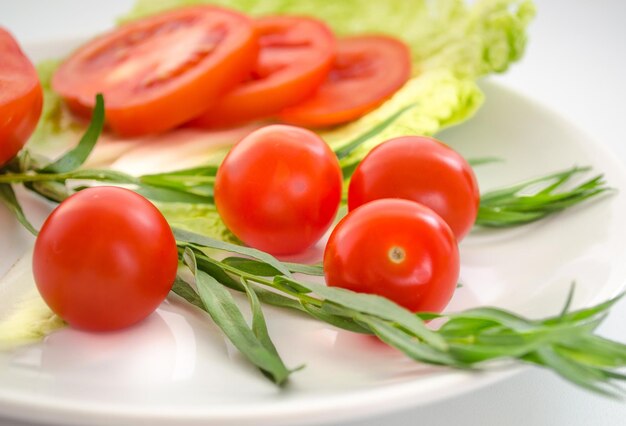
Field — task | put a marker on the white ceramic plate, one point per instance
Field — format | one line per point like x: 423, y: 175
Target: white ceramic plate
x: 176, y: 368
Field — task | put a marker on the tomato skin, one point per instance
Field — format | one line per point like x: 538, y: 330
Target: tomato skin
x: 295, y: 56
x: 367, y: 71
x: 421, y: 169
x: 279, y: 189
x: 360, y: 254
x: 105, y: 259
x: 21, y: 98
x: 162, y: 71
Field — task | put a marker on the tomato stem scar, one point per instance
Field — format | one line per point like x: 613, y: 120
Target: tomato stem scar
x: 396, y: 254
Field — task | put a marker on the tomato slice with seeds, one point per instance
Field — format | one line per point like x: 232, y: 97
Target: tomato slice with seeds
x: 367, y: 71
x: 295, y: 57
x: 160, y: 72
x: 21, y: 98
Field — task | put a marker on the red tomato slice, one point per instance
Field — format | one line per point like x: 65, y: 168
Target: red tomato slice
x: 295, y: 57
x: 21, y: 98
x: 366, y: 72
x: 162, y: 71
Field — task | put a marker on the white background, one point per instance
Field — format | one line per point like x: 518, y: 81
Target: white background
x: 576, y: 65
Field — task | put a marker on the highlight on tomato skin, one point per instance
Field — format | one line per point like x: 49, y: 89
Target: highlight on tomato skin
x: 21, y: 98
x: 279, y: 189
x: 422, y: 169
x: 398, y: 249
x: 105, y: 259
x: 159, y: 72
x: 295, y: 56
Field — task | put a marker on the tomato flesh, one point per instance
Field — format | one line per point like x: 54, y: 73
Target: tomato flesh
x: 279, y: 189
x: 394, y: 248
x: 105, y: 259
x: 160, y: 72
x: 367, y: 70
x: 21, y: 98
x: 294, y: 59
x: 421, y: 169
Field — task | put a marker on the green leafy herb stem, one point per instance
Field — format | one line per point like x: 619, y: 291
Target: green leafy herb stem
x: 473, y: 339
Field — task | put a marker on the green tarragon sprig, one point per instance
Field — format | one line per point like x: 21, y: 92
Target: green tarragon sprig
x: 565, y: 343
x: 537, y: 198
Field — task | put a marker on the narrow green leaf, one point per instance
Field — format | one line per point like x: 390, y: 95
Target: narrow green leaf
x: 190, y: 260
x: 587, y: 377
x: 475, y: 162
x: 193, y: 238
x: 497, y: 217
x: 222, y: 308
x: 378, y: 306
x: 473, y: 353
x: 102, y: 175
x: 207, y: 170
x: 300, y: 268
x: 77, y: 156
x: 338, y: 321
x: 510, y: 190
x: 262, y: 269
x: 463, y: 327
x: 291, y: 284
x: 508, y: 319
x: 596, y: 351
x: 408, y: 344
x: 345, y: 150
x: 169, y: 195
x: 536, y: 198
x: 213, y: 268
x: 568, y: 301
x: 252, y: 266
x: 7, y: 196
x: 53, y: 191
x: 259, y: 325
x: 276, y: 299
x: 585, y: 313
x: 183, y: 289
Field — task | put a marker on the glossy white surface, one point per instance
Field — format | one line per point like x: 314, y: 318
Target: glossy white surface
x: 573, y: 46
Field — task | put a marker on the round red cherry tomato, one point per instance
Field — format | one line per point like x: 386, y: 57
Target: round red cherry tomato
x: 105, y: 259
x: 395, y: 248
x: 161, y: 71
x: 367, y: 71
x: 421, y: 169
x: 294, y: 59
x: 279, y: 189
x: 21, y: 98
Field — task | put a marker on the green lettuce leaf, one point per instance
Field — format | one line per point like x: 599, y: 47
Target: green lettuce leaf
x: 199, y: 218
x: 57, y: 130
x: 438, y: 98
x: 24, y: 316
